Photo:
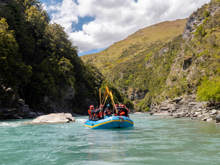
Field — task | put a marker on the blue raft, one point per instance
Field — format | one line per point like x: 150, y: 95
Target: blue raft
x: 110, y: 122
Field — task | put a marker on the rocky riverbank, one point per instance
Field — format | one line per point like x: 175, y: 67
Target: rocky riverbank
x: 187, y: 106
x: 19, y: 111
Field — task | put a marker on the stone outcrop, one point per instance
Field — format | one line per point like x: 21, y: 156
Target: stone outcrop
x: 19, y: 111
x: 54, y: 118
x: 197, y: 19
x: 187, y: 106
x: 135, y: 94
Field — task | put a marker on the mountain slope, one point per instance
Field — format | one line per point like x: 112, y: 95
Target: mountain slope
x: 135, y: 44
x: 123, y: 63
x: 150, y: 72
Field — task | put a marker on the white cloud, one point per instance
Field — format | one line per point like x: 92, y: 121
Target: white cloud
x: 116, y: 19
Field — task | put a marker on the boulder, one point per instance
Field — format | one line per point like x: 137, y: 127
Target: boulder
x: 151, y: 113
x: 177, y: 100
x: 180, y: 115
x: 218, y: 119
x: 54, y: 118
x: 213, y: 112
x: 164, y: 108
x: 209, y: 120
x: 205, y: 117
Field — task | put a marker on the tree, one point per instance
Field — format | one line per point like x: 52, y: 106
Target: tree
x: 13, y: 72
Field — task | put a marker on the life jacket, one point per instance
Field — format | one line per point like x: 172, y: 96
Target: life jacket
x: 116, y: 114
x: 122, y: 113
x: 109, y: 112
x: 89, y: 112
x: 100, y: 114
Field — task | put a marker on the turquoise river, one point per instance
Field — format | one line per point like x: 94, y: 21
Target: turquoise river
x: 153, y: 141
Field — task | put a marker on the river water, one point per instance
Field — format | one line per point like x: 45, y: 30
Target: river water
x: 153, y: 141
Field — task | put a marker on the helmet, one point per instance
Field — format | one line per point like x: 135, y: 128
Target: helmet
x: 108, y: 105
x: 91, y: 107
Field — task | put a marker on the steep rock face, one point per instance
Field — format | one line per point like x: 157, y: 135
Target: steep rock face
x: 199, y: 53
x: 198, y: 17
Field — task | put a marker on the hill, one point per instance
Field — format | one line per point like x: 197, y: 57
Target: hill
x: 157, y: 63
x: 135, y: 44
x: 123, y: 63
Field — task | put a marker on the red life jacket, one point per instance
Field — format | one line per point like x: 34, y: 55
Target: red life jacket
x: 100, y: 114
x: 122, y: 113
x: 108, y: 112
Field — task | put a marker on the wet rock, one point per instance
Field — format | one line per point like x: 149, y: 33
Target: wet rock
x: 54, y: 118
x: 180, y: 115
x: 21, y: 102
x: 217, y: 119
x: 151, y: 113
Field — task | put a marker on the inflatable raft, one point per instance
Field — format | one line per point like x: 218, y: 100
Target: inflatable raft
x: 110, y: 122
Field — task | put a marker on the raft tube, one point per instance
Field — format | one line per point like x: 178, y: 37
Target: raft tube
x: 110, y: 122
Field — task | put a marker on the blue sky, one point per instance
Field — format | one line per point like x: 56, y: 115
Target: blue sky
x: 93, y: 25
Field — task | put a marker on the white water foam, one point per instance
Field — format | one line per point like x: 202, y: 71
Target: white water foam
x: 81, y: 120
x: 5, y: 124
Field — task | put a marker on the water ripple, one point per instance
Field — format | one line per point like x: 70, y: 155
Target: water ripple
x: 153, y: 141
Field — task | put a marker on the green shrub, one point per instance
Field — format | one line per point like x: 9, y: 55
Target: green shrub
x: 209, y: 90
x: 200, y: 31
x: 206, y: 13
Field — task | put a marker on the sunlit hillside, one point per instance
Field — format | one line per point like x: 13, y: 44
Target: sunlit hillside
x: 134, y: 44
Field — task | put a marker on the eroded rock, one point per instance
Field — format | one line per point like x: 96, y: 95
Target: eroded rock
x: 54, y: 118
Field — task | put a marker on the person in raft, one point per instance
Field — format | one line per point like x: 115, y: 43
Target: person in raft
x: 98, y: 113
x: 91, y: 112
x: 122, y: 110
x: 108, y: 111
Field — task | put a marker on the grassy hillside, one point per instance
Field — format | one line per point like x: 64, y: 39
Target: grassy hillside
x: 162, y: 61
x: 123, y: 63
x: 134, y: 44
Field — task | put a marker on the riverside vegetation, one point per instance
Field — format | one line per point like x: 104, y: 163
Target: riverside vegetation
x: 40, y: 71
x: 167, y: 61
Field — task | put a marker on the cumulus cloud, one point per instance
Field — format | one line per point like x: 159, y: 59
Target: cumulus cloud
x: 115, y: 19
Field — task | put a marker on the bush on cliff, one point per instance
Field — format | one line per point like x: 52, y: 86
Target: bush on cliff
x: 209, y: 90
